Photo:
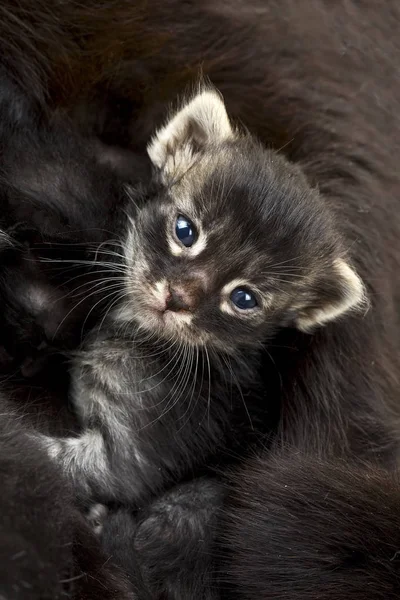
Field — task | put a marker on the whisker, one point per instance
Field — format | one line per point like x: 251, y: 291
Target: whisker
x: 209, y: 384
x: 284, y: 262
x: 90, y: 263
x: 229, y: 365
x: 187, y: 373
x: 166, y: 410
x: 93, y: 285
x: 72, y: 309
x: 193, y: 388
x: 85, y: 274
x: 160, y: 371
x: 188, y: 352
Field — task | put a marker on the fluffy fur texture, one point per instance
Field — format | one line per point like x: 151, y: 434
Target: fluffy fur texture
x: 169, y: 545
x: 299, y: 527
x: 317, y: 80
x: 47, y: 549
x: 60, y: 200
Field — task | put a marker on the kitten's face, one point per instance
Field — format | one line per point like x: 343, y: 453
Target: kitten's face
x: 233, y: 245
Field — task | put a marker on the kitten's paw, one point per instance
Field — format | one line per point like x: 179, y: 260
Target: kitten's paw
x: 51, y: 445
x: 96, y: 516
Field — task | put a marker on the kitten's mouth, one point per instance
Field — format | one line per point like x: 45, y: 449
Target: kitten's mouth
x: 172, y: 325
x: 183, y: 317
x: 176, y: 323
x: 169, y: 311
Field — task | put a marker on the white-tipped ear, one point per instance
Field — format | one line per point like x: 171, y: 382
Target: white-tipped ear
x: 346, y: 293
x: 200, y: 122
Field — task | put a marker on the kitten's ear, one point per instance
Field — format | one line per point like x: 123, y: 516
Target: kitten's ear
x: 342, y: 291
x: 201, y: 122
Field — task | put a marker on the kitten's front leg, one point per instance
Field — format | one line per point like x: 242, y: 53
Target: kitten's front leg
x: 86, y: 461
x: 101, y: 460
x: 105, y: 468
x: 110, y: 461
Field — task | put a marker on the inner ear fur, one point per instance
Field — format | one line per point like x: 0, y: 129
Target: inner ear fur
x: 200, y: 122
x: 340, y: 292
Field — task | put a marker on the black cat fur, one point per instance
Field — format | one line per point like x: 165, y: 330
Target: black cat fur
x: 171, y: 541
x: 287, y: 524
x: 47, y: 549
x: 60, y: 198
x: 298, y: 527
x: 320, y: 81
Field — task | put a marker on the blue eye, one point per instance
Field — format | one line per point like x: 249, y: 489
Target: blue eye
x: 243, y: 299
x: 185, y: 231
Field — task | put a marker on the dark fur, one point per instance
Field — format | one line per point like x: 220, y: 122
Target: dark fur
x: 60, y: 199
x: 320, y: 80
x: 47, y: 549
x: 171, y: 541
x: 50, y: 210
x: 299, y: 527
x: 320, y: 83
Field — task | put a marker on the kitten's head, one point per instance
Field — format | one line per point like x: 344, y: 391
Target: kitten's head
x: 234, y: 243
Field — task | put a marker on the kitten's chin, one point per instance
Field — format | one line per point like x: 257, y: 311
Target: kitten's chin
x: 177, y: 320
x: 172, y: 326
x: 178, y: 325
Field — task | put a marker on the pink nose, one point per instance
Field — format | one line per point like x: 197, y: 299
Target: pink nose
x: 182, y: 297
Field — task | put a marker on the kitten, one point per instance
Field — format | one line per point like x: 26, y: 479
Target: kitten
x: 201, y: 292
x: 321, y: 83
x: 60, y: 200
x: 327, y: 96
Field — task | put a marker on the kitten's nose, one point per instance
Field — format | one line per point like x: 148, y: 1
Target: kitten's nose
x: 179, y: 299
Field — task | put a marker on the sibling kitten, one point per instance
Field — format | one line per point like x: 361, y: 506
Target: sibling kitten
x: 201, y: 269
x: 60, y: 200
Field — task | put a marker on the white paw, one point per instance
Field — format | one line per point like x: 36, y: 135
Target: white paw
x: 51, y: 445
